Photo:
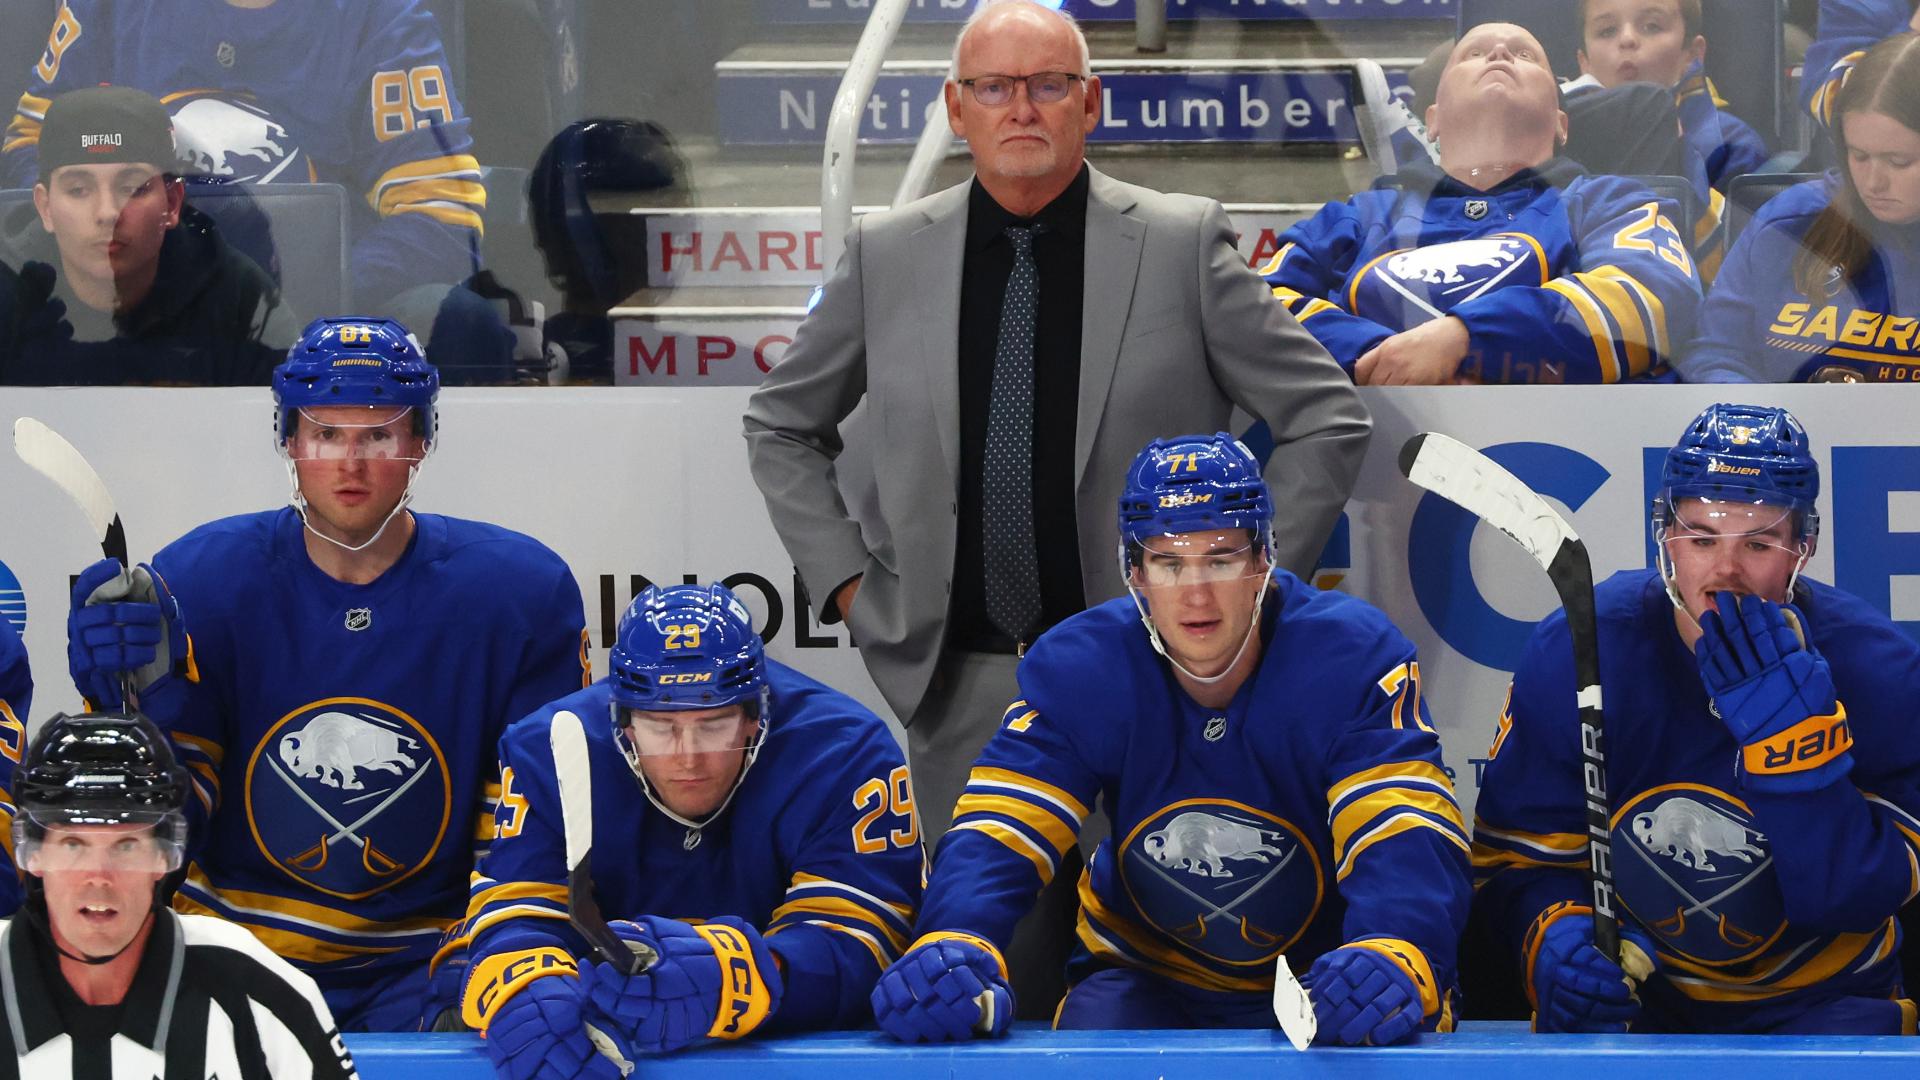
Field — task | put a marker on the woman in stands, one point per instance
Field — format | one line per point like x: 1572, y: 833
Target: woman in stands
x: 1824, y: 284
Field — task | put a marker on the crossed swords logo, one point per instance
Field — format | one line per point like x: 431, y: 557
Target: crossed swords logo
x: 1216, y: 911
x: 376, y: 862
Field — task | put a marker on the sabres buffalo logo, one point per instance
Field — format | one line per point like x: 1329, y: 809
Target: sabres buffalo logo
x: 1232, y: 883
x: 348, y: 796
x: 231, y: 136
x: 1405, y: 288
x: 1695, y: 870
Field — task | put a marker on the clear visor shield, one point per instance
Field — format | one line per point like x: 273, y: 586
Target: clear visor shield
x: 1756, y: 525
x: 1196, y: 558
x: 703, y: 731
x: 367, y: 433
x: 67, y: 844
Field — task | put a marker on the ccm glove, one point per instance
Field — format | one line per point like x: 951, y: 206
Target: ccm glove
x: 714, y: 980
x: 1578, y: 990
x: 539, y: 1033
x: 943, y: 990
x: 1361, y: 998
x: 1774, y: 693
x: 122, y: 623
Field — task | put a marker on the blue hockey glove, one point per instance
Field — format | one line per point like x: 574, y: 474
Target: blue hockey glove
x: 1578, y: 990
x: 539, y: 1033
x: 943, y: 990
x: 1774, y: 694
x: 122, y: 622
x: 1361, y: 998
x: 715, y: 980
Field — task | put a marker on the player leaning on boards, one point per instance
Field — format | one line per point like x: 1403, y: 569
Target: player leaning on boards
x: 772, y: 814
x: 336, y: 674
x: 1274, y: 782
x: 101, y: 980
x: 1759, y: 854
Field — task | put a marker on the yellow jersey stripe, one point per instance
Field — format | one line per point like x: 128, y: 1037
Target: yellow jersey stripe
x: 881, y: 958
x: 846, y: 909
x: 1392, y: 771
x: 1097, y: 928
x: 1051, y: 828
x: 288, y: 944
x: 1016, y: 841
x: 1589, y: 311
x: 802, y: 879
x: 1393, y: 826
x: 1021, y: 781
x: 1360, y: 811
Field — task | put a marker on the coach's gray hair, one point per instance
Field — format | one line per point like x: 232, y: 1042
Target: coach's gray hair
x: 1079, y: 37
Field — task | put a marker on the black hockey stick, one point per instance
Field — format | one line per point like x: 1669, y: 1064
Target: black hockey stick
x: 1469, y: 479
x: 50, y: 455
x: 571, y: 772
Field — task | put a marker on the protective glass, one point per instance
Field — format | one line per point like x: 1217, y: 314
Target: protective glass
x: 64, y: 847
x: 1707, y: 522
x: 1195, y: 559
x: 665, y: 734
x: 385, y: 434
x: 1043, y: 87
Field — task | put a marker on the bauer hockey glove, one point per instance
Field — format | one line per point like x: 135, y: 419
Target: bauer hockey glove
x: 1362, y: 998
x: 1775, y: 694
x: 946, y: 988
x: 540, y: 1033
x: 122, y: 623
x: 714, y: 980
x: 1575, y: 989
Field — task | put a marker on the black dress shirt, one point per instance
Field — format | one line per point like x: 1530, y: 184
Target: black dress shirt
x: 1059, y: 254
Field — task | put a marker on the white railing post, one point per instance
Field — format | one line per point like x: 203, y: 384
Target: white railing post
x: 843, y: 128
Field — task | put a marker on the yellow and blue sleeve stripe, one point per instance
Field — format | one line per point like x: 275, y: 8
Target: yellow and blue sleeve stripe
x: 446, y: 188
x: 202, y: 757
x: 882, y: 926
x: 1824, y: 98
x: 24, y: 129
x: 1379, y: 803
x: 1029, y: 816
x: 1626, y: 322
x: 1909, y: 828
x: 1495, y: 850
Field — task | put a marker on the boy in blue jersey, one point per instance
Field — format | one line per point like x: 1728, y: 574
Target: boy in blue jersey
x: 776, y: 841
x: 16, y: 698
x: 1503, y: 264
x: 1761, y: 769
x: 336, y: 675
x: 1274, y: 783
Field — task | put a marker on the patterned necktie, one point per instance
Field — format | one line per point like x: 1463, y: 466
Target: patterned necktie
x: 1012, y: 569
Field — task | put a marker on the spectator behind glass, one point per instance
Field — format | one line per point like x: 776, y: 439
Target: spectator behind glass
x: 354, y: 92
x: 1824, y: 285
x: 1848, y: 28
x: 1505, y: 264
x: 1659, y: 41
x: 119, y: 281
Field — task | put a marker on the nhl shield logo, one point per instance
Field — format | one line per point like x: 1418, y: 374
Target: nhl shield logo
x: 1216, y: 727
x: 359, y: 618
x: 348, y: 796
x: 1693, y: 868
x: 1231, y: 883
x: 1476, y: 209
x: 224, y: 54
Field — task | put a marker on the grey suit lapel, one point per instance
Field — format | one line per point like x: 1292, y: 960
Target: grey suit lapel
x: 1113, y: 247
x: 937, y: 251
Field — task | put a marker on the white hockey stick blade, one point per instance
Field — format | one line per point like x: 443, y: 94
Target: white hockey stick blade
x: 1469, y: 479
x: 1292, y: 1007
x: 52, y: 456
x: 572, y: 771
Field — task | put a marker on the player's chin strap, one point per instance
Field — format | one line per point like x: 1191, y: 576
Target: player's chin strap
x: 753, y: 751
x: 299, y: 502
x: 1667, y: 570
x: 1153, y: 635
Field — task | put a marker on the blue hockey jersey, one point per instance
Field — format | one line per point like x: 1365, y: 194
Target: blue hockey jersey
x: 341, y: 737
x: 1312, y: 812
x: 353, y: 92
x: 1848, y: 28
x: 819, y: 850
x: 1558, y: 276
x: 16, y: 698
x: 1756, y: 325
x: 1760, y: 905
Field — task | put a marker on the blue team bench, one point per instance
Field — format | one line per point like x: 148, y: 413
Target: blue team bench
x: 1478, y: 1051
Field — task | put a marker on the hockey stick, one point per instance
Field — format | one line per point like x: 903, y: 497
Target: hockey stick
x: 1469, y: 479
x: 571, y: 772
x: 50, y: 455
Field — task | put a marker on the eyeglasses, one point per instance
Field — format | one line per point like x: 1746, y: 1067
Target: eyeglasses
x: 1043, y: 87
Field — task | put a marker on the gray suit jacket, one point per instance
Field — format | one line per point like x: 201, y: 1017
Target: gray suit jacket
x: 1176, y: 332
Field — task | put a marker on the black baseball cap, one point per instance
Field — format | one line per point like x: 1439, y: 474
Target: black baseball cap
x: 106, y: 125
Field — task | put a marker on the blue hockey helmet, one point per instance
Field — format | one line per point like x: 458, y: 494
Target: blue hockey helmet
x: 687, y: 647
x: 1743, y: 453
x: 355, y: 361
x: 1194, y: 483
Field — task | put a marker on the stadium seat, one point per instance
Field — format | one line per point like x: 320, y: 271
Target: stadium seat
x: 1747, y: 194
x: 1745, y: 50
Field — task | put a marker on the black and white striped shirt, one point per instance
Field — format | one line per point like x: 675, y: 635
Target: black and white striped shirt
x: 208, y: 1002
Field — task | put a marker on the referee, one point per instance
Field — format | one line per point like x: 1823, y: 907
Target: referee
x: 98, y: 977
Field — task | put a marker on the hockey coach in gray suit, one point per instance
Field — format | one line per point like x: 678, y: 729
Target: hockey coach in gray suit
x: 1018, y: 338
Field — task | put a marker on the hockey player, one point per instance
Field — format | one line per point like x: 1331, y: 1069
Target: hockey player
x: 1761, y: 770
x: 336, y: 675
x: 102, y: 981
x: 16, y: 698
x: 777, y: 821
x: 1274, y: 782
x: 1504, y: 264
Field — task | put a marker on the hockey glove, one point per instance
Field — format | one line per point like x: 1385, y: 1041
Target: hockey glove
x: 122, y: 623
x: 1361, y: 998
x: 715, y: 980
x: 1774, y: 693
x: 1578, y: 990
x: 539, y: 1034
x: 944, y: 989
